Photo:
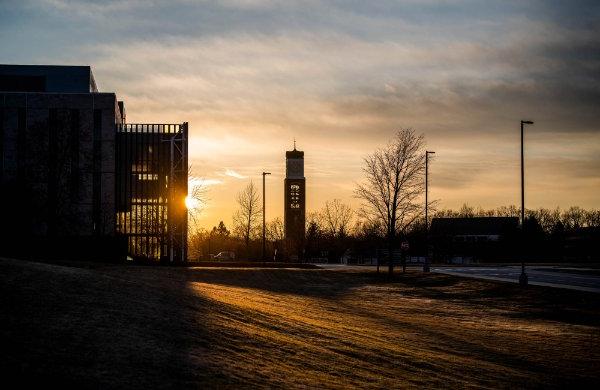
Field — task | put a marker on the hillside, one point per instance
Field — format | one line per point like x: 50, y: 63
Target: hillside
x: 131, y: 326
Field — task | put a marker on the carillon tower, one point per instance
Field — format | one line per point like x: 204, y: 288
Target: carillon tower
x: 295, y: 202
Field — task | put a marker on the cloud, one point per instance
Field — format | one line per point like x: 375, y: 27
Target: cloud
x: 232, y: 173
x: 203, y: 182
x: 342, y: 77
x: 245, y: 94
x: 93, y: 9
x: 305, y: 82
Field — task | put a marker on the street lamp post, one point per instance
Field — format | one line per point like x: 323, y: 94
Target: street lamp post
x: 264, y: 234
x: 426, y: 264
x: 523, y: 279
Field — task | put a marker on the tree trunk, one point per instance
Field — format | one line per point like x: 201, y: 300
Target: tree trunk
x: 390, y: 255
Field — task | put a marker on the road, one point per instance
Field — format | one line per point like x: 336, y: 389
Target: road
x: 574, y: 278
x: 582, y: 279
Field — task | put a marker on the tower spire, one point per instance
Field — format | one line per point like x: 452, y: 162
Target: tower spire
x: 294, y: 143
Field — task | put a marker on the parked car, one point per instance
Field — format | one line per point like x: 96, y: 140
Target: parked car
x: 225, y: 256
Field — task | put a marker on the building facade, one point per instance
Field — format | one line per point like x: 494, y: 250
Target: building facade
x: 465, y: 240
x: 294, y: 203
x: 59, y: 166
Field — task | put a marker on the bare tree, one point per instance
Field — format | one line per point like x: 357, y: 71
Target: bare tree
x: 508, y: 211
x: 275, y: 230
x: 574, y: 217
x: 314, y: 221
x: 196, y: 200
x: 546, y: 218
x: 248, y: 218
x: 195, y: 244
x: 394, y: 185
x: 467, y: 211
x: 337, y: 217
x: 592, y: 218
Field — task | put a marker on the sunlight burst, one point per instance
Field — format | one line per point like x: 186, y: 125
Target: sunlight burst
x: 191, y: 203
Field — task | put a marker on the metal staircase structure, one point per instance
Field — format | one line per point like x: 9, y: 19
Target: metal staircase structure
x: 151, y: 187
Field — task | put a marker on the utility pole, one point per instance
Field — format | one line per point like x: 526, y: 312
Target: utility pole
x: 171, y: 198
x: 523, y: 279
x: 426, y: 264
x: 264, y: 231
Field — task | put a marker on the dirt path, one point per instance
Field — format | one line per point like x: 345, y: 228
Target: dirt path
x: 135, y: 327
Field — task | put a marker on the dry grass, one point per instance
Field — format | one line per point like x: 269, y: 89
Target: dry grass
x: 128, y: 326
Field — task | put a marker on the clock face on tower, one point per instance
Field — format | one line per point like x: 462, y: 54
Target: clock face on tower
x: 294, y: 196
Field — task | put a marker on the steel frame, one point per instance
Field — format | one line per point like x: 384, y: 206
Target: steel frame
x: 151, y: 186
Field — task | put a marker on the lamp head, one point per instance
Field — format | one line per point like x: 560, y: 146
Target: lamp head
x: 527, y: 122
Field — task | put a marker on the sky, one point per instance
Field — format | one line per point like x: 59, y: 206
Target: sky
x: 341, y: 77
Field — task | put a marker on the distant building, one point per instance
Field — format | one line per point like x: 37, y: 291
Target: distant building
x: 582, y: 244
x: 75, y: 177
x: 294, y: 203
x: 464, y: 240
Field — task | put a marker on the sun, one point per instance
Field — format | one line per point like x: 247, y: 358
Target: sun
x: 191, y: 203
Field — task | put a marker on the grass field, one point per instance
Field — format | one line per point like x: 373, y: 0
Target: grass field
x: 138, y: 327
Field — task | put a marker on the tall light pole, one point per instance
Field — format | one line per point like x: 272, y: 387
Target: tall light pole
x: 264, y: 233
x: 523, y: 279
x: 426, y: 264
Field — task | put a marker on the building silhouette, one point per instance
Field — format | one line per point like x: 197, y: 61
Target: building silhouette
x: 76, y: 179
x: 473, y: 239
x: 294, y: 203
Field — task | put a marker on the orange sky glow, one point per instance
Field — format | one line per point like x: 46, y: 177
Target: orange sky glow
x: 341, y: 78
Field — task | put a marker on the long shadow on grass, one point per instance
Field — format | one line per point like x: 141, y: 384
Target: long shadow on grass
x: 114, y: 327
x: 316, y: 283
x: 535, y: 302
x: 334, y: 284
x: 508, y: 299
x: 520, y: 369
x: 448, y: 346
